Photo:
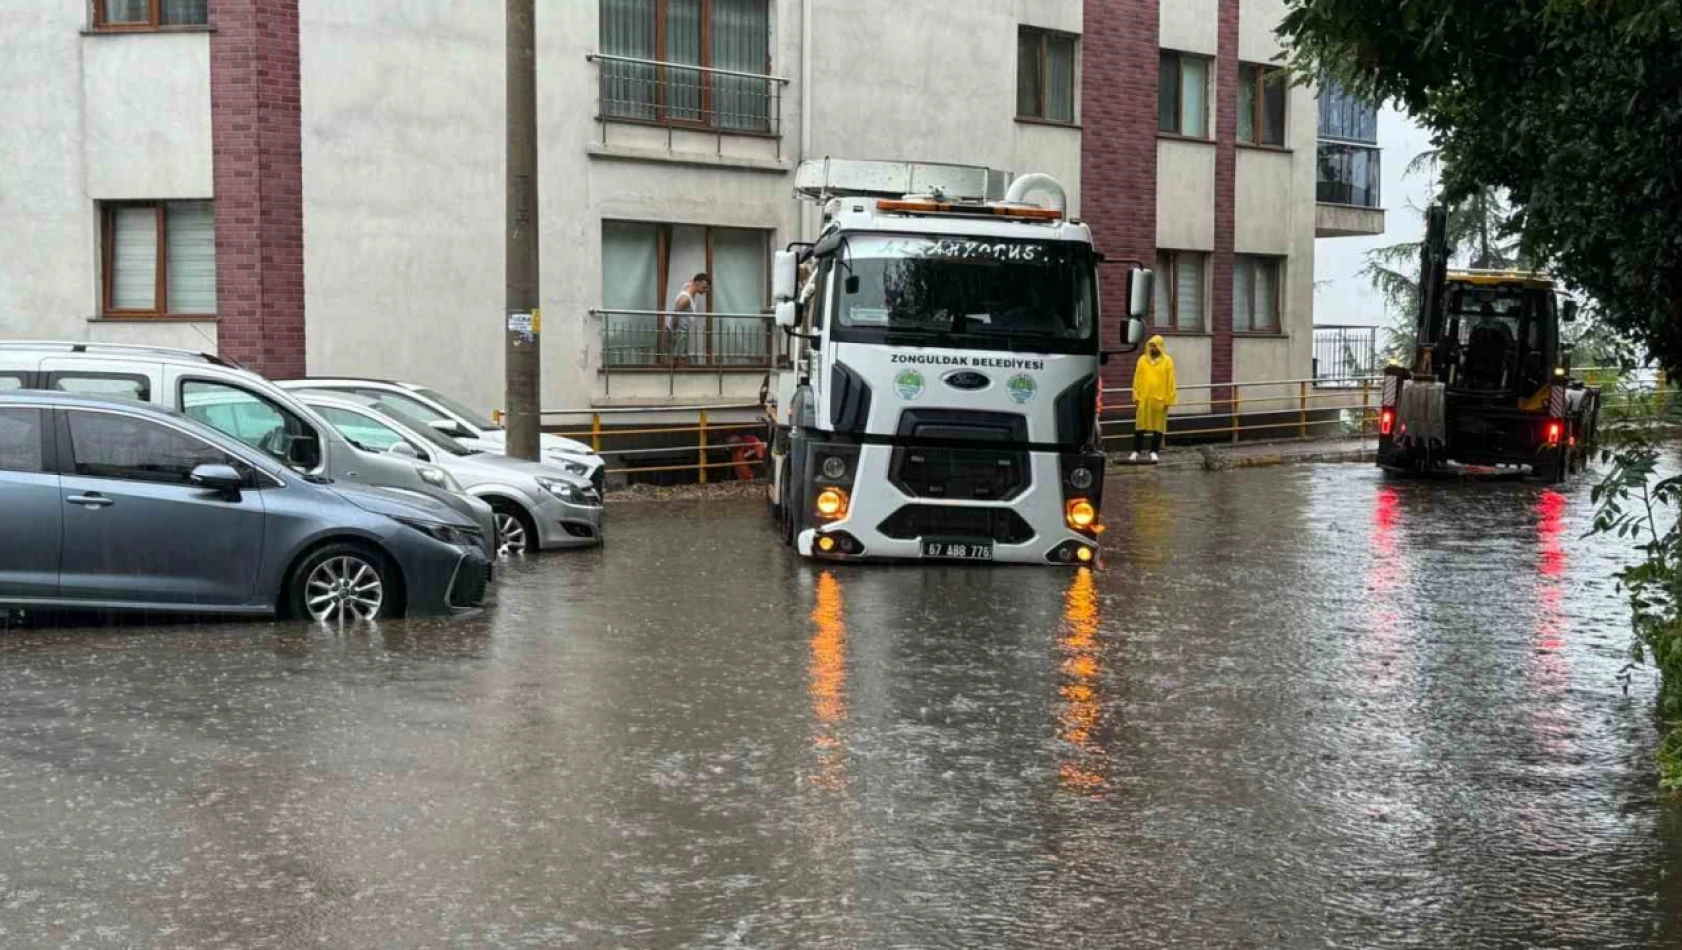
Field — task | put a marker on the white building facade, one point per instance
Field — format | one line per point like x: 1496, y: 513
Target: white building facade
x: 318, y: 185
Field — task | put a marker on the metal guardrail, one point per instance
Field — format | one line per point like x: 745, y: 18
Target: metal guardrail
x: 677, y: 96
x: 1283, y: 408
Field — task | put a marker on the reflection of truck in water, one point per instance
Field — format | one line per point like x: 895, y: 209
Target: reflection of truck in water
x: 940, y: 396
x: 1491, y: 381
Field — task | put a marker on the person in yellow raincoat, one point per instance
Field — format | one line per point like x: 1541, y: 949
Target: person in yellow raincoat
x: 1154, y: 390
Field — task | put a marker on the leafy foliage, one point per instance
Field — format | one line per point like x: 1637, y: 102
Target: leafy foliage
x: 1571, y: 108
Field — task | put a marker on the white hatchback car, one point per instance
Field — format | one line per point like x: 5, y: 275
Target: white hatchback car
x: 472, y: 428
x: 538, y: 506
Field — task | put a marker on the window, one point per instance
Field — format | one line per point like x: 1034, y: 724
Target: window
x: 1183, y: 94
x: 733, y: 36
x: 107, y: 445
x: 1255, y: 294
x: 20, y: 440
x: 252, y: 419
x: 160, y: 258
x: 107, y: 385
x: 644, y: 266
x: 1261, y: 104
x: 149, y: 14
x: 1179, y: 291
x: 1045, y: 76
x: 365, y: 433
x: 10, y: 382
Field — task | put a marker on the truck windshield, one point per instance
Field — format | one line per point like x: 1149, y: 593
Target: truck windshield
x: 967, y: 292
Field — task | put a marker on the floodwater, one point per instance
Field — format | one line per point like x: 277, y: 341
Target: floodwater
x: 1296, y: 708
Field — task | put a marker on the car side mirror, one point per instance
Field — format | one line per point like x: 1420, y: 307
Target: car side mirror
x: 448, y: 427
x: 403, y: 450
x: 217, y: 478
x: 303, y: 451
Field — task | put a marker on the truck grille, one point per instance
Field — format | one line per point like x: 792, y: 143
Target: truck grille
x: 968, y: 474
x: 911, y: 522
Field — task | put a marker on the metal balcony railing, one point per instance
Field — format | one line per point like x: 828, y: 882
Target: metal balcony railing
x: 686, y: 96
x: 1350, y: 173
x: 655, y: 339
x: 1344, y: 354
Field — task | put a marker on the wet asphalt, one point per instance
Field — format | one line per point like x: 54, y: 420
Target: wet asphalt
x: 1295, y: 708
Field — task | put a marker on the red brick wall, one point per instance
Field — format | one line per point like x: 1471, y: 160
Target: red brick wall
x: 1119, y: 52
x: 258, y: 178
x: 1226, y: 189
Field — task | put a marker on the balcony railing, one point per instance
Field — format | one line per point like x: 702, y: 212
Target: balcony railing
x: 652, y: 339
x: 1349, y: 174
x: 686, y: 96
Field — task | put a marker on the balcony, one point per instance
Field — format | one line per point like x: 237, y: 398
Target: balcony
x: 638, y: 343
x: 1347, y: 189
x: 711, y: 116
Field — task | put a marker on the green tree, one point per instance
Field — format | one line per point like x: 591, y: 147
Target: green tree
x: 1570, y: 108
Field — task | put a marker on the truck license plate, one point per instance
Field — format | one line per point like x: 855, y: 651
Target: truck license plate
x: 958, y: 550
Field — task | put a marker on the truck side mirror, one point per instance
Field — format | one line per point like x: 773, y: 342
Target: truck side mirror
x: 787, y: 314
x: 1135, y: 331
x: 1571, y: 311
x: 1140, y: 283
x: 785, y: 275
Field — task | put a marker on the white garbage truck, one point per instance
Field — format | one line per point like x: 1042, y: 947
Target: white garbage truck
x: 937, y: 392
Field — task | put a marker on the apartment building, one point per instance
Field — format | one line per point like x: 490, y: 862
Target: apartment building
x: 317, y: 185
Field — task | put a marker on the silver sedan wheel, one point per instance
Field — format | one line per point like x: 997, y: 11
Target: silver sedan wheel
x: 511, y: 535
x: 344, y: 588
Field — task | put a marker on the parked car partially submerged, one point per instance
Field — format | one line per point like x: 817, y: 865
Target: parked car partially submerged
x: 117, y: 505
x: 471, y: 427
x: 537, y: 506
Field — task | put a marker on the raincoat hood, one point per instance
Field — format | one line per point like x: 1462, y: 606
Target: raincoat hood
x: 1160, y: 344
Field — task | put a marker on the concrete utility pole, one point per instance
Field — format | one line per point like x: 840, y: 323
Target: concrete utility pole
x: 524, y: 327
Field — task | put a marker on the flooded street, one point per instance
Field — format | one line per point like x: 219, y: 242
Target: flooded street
x: 1296, y: 708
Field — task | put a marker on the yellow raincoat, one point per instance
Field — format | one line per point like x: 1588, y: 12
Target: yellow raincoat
x: 1154, y: 388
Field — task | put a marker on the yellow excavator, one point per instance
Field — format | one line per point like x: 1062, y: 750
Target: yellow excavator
x: 1490, y: 386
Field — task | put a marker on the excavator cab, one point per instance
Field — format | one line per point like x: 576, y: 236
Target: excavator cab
x: 1490, y: 385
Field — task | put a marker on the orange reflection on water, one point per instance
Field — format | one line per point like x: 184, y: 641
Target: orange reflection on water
x: 1081, y: 708
x: 1548, y: 669
x: 826, y: 671
x: 1386, y: 574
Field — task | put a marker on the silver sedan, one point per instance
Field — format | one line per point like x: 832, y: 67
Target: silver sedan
x: 537, y: 506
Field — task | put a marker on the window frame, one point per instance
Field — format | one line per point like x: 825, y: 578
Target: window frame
x: 53, y: 377
x: 108, y: 263
x: 154, y: 20
x: 1045, y: 36
x: 1172, y: 284
x: 1209, y: 83
x: 1277, y: 263
x: 321, y: 438
x: 1258, y: 107
x: 708, y: 120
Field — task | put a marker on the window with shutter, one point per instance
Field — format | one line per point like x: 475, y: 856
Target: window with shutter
x: 159, y: 258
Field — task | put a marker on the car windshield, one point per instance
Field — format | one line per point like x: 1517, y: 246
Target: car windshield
x: 421, y: 428
x: 998, y: 294
x: 473, y: 417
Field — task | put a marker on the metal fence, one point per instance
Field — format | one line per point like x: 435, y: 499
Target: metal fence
x: 1344, y: 353
x: 1259, y: 410
x: 687, y: 96
x: 660, y: 339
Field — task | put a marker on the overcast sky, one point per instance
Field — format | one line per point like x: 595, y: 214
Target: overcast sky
x: 1342, y: 297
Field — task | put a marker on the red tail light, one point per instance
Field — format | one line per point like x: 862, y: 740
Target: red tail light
x: 1556, y: 431
x: 1386, y: 421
